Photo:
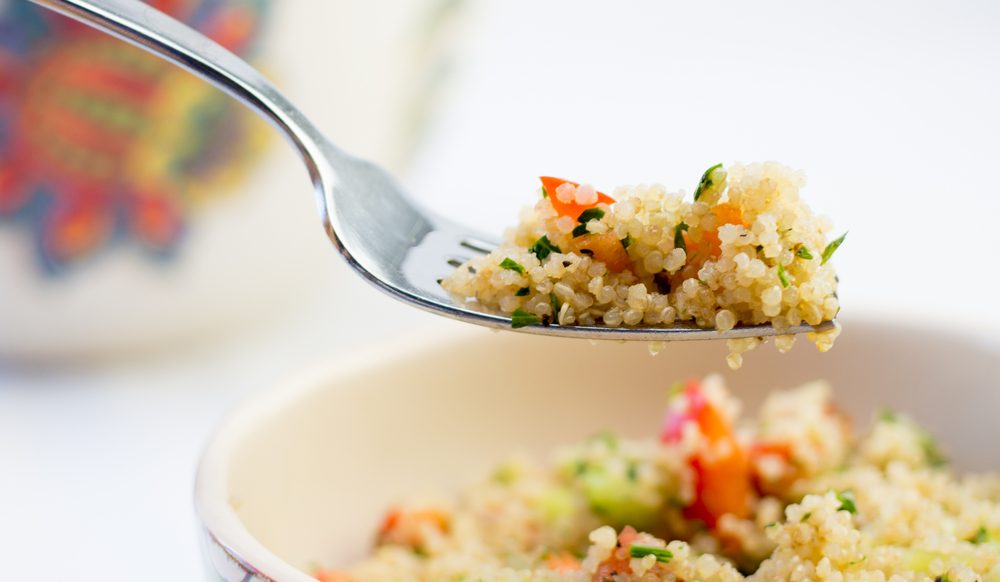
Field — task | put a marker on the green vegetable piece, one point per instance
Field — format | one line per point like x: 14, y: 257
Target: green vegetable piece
x: 580, y: 230
x: 512, y: 265
x: 803, y: 253
x: 543, y: 247
x: 522, y: 291
x: 545, y: 193
x: 679, y: 236
x: 888, y: 415
x: 806, y: 516
x: 590, y: 214
x: 847, y: 501
x: 933, y: 454
x: 627, y: 241
x: 782, y: 276
x: 706, y: 181
x: 980, y: 537
x: 556, y: 306
x: 832, y: 248
x: 521, y: 318
x: 662, y: 554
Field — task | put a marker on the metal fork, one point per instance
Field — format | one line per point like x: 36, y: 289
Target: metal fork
x: 390, y: 240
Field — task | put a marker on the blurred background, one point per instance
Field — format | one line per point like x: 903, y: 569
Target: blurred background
x: 161, y: 258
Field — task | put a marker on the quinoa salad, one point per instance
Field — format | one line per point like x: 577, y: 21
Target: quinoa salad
x: 793, y: 494
x: 743, y: 250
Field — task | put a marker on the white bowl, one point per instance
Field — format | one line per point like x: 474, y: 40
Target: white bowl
x: 300, y: 476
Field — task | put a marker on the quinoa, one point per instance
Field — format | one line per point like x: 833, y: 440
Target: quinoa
x: 792, y: 494
x: 744, y: 250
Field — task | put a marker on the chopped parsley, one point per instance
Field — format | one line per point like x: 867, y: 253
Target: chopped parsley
x: 556, y: 306
x: 522, y: 291
x: 980, y: 537
x: 679, y: 236
x: 706, y: 181
x: 803, y: 253
x: 543, y: 247
x: 521, y: 318
x: 662, y: 554
x: 782, y: 276
x: 806, y: 516
x: 632, y: 472
x: 627, y: 241
x: 887, y: 415
x: 933, y: 454
x: 580, y: 230
x: 832, y: 248
x: 590, y: 214
x: 512, y: 265
x: 545, y: 193
x: 847, y: 502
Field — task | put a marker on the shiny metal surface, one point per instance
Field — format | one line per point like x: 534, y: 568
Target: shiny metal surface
x: 381, y: 232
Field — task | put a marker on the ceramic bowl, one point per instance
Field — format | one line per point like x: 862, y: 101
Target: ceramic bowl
x: 300, y: 476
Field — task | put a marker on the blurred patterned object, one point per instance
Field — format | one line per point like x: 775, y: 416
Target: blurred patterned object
x: 102, y: 143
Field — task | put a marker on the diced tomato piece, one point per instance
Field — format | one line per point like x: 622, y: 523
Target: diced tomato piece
x: 570, y: 209
x: 331, y: 576
x: 562, y: 562
x: 605, y: 248
x: 619, y: 562
x: 722, y: 466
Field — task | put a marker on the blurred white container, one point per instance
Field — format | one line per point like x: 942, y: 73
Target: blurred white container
x: 364, y: 72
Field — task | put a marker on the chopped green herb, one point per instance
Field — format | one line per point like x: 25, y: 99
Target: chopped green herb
x: 803, y: 253
x: 439, y: 281
x: 545, y: 193
x: 832, y: 248
x: 580, y: 230
x: 771, y: 524
x: 543, y: 247
x: 706, y: 181
x: 522, y: 291
x: 679, y: 236
x: 590, y: 214
x: 980, y: 537
x: 760, y: 248
x: 521, y: 318
x: 933, y: 454
x: 556, y: 306
x: 662, y: 554
x: 512, y: 265
x: 847, y: 501
x: 806, y: 516
x: 887, y: 415
x: 627, y: 241
x: 782, y: 276
x: 942, y: 578
x: 632, y: 472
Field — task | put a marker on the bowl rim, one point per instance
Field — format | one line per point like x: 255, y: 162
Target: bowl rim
x: 220, y: 522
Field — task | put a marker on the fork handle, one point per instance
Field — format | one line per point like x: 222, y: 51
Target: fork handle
x: 150, y: 29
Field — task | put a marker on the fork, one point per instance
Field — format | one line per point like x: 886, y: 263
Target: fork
x: 383, y: 234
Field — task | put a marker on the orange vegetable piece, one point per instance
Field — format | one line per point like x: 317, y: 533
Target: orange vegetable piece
x: 562, y: 562
x: 405, y: 527
x: 709, y: 246
x: 331, y: 576
x: 722, y: 467
x: 619, y: 562
x: 570, y: 209
x: 605, y: 248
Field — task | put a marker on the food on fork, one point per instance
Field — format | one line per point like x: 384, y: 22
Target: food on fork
x: 743, y: 250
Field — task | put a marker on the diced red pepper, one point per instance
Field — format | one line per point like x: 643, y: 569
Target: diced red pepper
x: 722, y: 466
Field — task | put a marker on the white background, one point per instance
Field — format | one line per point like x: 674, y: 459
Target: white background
x: 890, y: 108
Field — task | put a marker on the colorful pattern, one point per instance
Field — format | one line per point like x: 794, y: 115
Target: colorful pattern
x: 101, y: 142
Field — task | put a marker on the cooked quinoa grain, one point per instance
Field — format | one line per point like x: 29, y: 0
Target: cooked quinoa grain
x: 792, y: 495
x: 745, y: 250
